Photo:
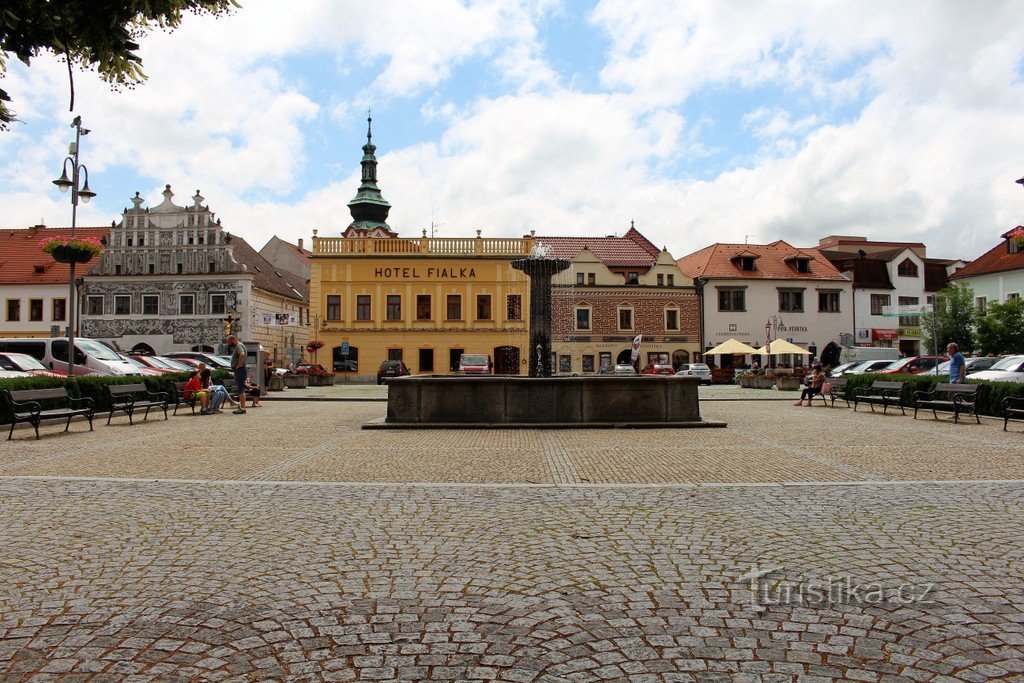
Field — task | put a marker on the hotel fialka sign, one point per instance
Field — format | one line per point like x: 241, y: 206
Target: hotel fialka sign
x: 432, y: 273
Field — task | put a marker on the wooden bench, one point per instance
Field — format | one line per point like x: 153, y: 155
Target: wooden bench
x: 1013, y: 409
x: 27, y: 406
x: 837, y: 390
x: 880, y: 393
x: 128, y: 398
x: 180, y: 398
x: 959, y: 398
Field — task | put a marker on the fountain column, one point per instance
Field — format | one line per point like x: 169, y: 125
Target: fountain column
x: 540, y: 271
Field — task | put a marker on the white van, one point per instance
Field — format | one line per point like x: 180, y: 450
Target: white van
x: 91, y: 357
x: 850, y: 354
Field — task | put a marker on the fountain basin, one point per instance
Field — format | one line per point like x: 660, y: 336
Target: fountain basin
x: 446, y: 402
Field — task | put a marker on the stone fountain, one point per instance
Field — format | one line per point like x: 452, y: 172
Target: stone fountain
x: 540, y: 400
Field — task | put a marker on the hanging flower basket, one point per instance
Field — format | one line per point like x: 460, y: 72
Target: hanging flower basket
x: 314, y: 345
x: 68, y: 250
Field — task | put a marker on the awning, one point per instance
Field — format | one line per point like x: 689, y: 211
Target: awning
x: 730, y: 347
x: 882, y: 334
x: 778, y: 347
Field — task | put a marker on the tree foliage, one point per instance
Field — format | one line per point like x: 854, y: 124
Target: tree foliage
x: 90, y: 34
x: 1001, y: 329
x: 954, y: 319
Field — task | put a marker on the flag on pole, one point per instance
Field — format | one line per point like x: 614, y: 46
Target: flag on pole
x: 636, y: 348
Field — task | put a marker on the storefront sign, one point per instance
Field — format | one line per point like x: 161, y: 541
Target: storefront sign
x: 883, y: 334
x: 415, y: 273
x: 863, y: 334
x: 910, y: 332
x: 279, y: 319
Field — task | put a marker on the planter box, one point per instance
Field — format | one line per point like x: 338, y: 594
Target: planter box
x: 276, y: 383
x: 756, y: 382
x: 321, y: 381
x: 296, y: 381
x: 787, y: 383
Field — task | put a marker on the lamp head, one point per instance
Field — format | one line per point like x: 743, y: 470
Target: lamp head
x: 63, y: 183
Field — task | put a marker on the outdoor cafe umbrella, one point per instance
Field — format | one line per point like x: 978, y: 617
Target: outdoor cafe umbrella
x: 779, y: 347
x: 731, y: 347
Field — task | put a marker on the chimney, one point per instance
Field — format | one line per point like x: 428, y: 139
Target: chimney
x: 300, y: 244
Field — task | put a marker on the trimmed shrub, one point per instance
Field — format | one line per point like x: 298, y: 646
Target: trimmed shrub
x: 989, y: 398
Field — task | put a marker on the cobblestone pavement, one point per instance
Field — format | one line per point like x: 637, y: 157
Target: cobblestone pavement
x: 126, y: 580
x: 766, y: 441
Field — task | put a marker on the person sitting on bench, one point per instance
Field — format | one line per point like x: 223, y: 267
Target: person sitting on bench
x: 814, y: 384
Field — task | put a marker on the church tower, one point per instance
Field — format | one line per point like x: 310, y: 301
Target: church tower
x: 369, y: 208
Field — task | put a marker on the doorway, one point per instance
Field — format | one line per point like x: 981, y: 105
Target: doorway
x: 506, y: 360
x: 345, y: 362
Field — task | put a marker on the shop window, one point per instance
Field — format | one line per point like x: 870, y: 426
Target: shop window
x: 334, y: 307
x: 588, y: 362
x: 35, y: 310
x: 453, y: 308
x: 483, y: 307
x: 514, y: 307
x: 565, y: 364
x: 423, y: 312
x: 150, y: 304
x: 393, y: 309
x: 363, y: 307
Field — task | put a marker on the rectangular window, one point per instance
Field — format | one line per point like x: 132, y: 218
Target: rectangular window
x: 483, y: 306
x: 94, y: 305
x: 395, y: 354
x: 334, y: 307
x: 828, y: 302
x: 60, y: 310
x: 671, y: 319
x: 424, y: 312
x: 912, y: 320
x: 671, y: 280
x: 661, y: 280
x: 732, y: 300
x: 1012, y: 295
x: 14, y: 309
x: 218, y: 304
x: 565, y: 364
x: 122, y: 304
x: 363, y: 307
x: 878, y: 301
x: 426, y: 360
x: 454, y: 307
x: 582, y: 318
x: 632, y: 278
x: 981, y: 305
x: 791, y: 301
x: 150, y: 304
x: 591, y: 278
x: 35, y: 310
x: 588, y: 363
x: 514, y: 307
x: 393, y: 309
x: 625, y: 318
x: 187, y: 304
x: 579, y: 278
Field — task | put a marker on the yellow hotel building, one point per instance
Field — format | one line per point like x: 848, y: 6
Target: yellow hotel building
x: 375, y: 296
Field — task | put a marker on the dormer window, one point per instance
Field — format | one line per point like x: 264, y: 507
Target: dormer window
x: 906, y: 268
x: 802, y: 265
x: 745, y: 263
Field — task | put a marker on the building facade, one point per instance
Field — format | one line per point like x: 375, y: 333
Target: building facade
x: 997, y: 275
x: 617, y: 288
x: 172, y: 279
x: 284, y: 255
x: 34, y: 287
x: 757, y: 292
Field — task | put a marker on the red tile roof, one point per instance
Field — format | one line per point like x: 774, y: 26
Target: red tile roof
x: 995, y: 260
x: 303, y: 254
x: 22, y: 262
x: 716, y: 261
x: 614, y: 252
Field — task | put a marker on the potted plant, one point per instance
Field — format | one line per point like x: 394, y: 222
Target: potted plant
x: 72, y: 250
x: 317, y: 376
x: 787, y: 382
x: 293, y: 381
x: 1017, y: 236
x: 313, y: 346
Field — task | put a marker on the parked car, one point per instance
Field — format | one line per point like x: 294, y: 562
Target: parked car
x: 11, y: 374
x: 855, y: 353
x: 843, y: 367
x: 700, y: 370
x: 623, y: 369
x: 1008, y: 369
x: 866, y: 366
x: 914, y: 365
x: 475, y: 364
x: 658, y: 369
x: 161, y: 363
x: 91, y: 356
x: 143, y: 369
x: 22, y: 362
x: 189, y: 363
x: 310, y: 369
x: 346, y: 366
x: 213, y: 361
x: 976, y: 364
x: 391, y: 368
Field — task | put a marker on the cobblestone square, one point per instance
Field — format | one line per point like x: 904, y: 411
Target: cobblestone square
x: 242, y: 548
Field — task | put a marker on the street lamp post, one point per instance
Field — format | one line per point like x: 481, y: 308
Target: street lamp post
x: 770, y: 327
x: 78, y: 172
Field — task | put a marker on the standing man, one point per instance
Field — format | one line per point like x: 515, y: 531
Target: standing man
x: 238, y: 365
x: 957, y: 373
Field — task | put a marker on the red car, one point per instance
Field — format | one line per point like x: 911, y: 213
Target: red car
x: 658, y: 369
x: 914, y: 365
x: 22, y: 362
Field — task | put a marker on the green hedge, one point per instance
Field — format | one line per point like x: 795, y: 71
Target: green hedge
x: 93, y: 386
x: 989, y: 401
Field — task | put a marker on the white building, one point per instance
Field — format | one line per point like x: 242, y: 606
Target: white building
x: 753, y: 292
x: 171, y: 277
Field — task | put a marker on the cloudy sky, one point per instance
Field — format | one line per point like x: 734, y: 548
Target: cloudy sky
x: 702, y: 121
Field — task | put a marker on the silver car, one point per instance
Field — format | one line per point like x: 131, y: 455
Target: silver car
x: 624, y: 369
x: 695, y: 370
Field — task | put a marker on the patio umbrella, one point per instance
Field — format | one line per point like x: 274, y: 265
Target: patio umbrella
x: 731, y: 347
x: 779, y: 347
